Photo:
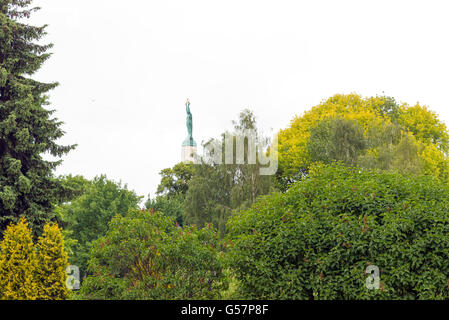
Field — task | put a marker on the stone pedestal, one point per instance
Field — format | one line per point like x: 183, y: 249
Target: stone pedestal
x: 188, y: 153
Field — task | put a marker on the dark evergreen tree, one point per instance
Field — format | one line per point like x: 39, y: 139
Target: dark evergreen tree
x: 27, y: 129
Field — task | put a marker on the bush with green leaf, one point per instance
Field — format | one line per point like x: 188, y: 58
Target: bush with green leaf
x: 86, y: 217
x: 145, y: 255
x: 316, y: 240
x: 171, y: 206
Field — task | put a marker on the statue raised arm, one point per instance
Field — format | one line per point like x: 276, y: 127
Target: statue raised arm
x: 189, y: 123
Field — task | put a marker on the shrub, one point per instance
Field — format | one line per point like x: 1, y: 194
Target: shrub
x: 144, y: 255
x: 316, y: 240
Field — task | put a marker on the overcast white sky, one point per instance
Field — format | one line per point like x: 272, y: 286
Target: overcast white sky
x: 126, y: 68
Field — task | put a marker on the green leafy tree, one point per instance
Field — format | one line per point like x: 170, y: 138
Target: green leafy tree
x: 336, y: 140
x: 208, y: 199
x: 217, y: 189
x: 27, y: 129
x: 87, y: 216
x: 250, y: 183
x: 389, y: 108
x: 174, y: 181
x: 171, y: 191
x: 74, y: 187
x: 145, y: 256
x: 171, y: 206
x: 316, y: 240
x: 386, y: 147
x: 394, y: 150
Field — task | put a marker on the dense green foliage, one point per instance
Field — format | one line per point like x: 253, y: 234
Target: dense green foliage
x: 86, y: 217
x: 209, y: 197
x: 27, y: 129
x: 171, y: 206
x: 144, y: 255
x: 316, y: 240
x: 384, y: 146
x: 174, y: 181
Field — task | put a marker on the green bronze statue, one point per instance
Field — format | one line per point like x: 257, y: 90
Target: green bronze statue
x: 189, y: 140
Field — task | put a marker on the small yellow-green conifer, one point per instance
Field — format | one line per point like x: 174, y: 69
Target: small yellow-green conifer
x: 53, y: 261
x: 18, y: 262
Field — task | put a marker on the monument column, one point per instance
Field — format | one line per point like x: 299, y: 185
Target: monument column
x: 188, y: 150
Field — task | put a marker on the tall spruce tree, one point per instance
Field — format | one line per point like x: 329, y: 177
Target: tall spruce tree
x: 27, y: 129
